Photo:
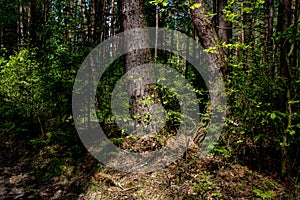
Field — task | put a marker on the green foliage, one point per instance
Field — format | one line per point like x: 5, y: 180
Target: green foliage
x: 117, y: 141
x: 211, y: 50
x: 255, y: 89
x: 159, y: 2
x: 36, y: 88
x: 105, y: 89
x: 203, y: 185
x: 20, y: 85
x: 194, y: 6
x: 222, y: 151
x: 263, y: 195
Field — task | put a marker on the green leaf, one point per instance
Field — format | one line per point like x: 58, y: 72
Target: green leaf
x: 211, y: 50
x: 165, y: 3
x: 196, y: 5
x: 292, y: 132
x: 209, y: 14
x: 273, y: 115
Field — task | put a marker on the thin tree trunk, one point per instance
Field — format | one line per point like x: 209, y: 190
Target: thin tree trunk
x: 120, y: 16
x: 93, y: 20
x: 270, y: 8
x: 247, y: 20
x: 104, y: 15
x: 21, y: 27
x: 84, y: 25
x: 224, y: 26
x: 156, y: 31
x: 112, y: 29
x: 33, y: 22
x: 284, y: 22
x: 45, y: 16
x: 88, y: 21
x: 269, y: 53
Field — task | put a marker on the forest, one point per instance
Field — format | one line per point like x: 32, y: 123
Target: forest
x: 194, y: 99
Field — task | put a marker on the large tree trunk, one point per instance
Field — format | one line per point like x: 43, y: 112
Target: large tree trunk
x: 134, y: 17
x: 209, y: 37
x: 209, y: 40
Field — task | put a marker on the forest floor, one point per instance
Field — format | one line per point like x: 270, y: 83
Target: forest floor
x: 191, y: 177
x: 32, y: 169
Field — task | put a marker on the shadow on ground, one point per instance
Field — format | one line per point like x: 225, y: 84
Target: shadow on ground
x: 54, y: 167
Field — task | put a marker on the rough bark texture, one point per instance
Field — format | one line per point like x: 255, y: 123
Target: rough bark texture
x: 209, y: 37
x: 134, y: 17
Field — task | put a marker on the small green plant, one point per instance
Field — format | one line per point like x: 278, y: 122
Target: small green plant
x: 262, y: 194
x: 216, y: 193
x: 222, y: 151
x: 117, y: 141
x: 193, y: 162
x: 203, y: 185
x: 133, y: 137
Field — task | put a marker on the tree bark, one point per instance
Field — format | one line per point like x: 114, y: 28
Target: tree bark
x: 112, y: 28
x: 247, y: 25
x: 156, y: 31
x: 284, y: 22
x: 269, y: 53
x: 134, y: 17
x: 224, y: 26
x: 209, y: 37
